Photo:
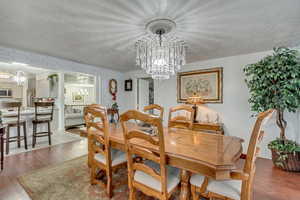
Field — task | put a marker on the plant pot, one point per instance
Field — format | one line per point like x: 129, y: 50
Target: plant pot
x: 291, y: 163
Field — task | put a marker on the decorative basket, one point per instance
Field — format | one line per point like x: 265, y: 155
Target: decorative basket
x: 291, y: 163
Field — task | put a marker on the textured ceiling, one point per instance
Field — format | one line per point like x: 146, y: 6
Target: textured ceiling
x: 14, y: 67
x: 103, y: 32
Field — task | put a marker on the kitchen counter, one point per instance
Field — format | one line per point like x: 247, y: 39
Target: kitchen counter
x: 25, y: 112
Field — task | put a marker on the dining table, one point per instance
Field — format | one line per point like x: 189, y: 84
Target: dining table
x: 209, y: 154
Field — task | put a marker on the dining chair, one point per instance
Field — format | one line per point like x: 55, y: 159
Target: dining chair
x: 151, y: 175
x: 239, y: 186
x: 88, y: 118
x: 153, y: 107
x: 184, y: 117
x: 104, y: 159
x: 14, y: 120
x: 43, y: 115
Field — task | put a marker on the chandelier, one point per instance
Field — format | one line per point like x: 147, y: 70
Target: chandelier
x: 160, y: 53
x: 20, y: 77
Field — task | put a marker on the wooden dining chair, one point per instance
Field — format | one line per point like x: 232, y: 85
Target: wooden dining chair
x: 42, y: 117
x: 104, y: 159
x: 89, y: 119
x: 151, y: 175
x: 154, y: 107
x: 16, y: 121
x: 184, y: 117
x: 239, y: 187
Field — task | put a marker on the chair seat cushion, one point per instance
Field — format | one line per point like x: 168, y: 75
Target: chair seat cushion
x: 197, y: 180
x: 228, y: 188
x: 117, y: 157
x: 173, y: 177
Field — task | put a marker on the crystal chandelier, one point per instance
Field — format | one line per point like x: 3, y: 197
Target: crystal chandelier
x: 160, y: 53
x: 20, y: 77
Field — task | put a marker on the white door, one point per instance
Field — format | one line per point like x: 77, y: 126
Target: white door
x: 143, y: 93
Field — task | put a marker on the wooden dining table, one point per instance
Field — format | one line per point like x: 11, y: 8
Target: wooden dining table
x: 212, y: 155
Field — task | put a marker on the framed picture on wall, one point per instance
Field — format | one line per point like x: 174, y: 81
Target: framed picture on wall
x: 77, y: 98
x: 128, y: 85
x: 207, y: 83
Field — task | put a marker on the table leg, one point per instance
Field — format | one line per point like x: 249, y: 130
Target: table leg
x: 185, y: 185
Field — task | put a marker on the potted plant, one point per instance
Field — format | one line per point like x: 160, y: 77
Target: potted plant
x: 53, y: 79
x: 115, y: 106
x: 274, y: 83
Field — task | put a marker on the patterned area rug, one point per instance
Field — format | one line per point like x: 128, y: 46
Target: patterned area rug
x: 70, y: 180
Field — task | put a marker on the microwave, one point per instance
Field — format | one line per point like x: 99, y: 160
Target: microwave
x: 5, y: 92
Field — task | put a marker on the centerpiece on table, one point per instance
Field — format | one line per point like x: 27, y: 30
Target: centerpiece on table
x: 274, y: 83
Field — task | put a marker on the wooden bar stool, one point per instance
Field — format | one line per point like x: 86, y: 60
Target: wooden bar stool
x: 42, y: 117
x: 14, y: 120
x: 2, y: 131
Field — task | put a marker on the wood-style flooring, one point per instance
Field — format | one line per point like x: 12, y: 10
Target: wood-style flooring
x: 270, y: 183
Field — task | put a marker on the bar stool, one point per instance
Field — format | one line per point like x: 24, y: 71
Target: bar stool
x: 44, y: 116
x: 14, y: 120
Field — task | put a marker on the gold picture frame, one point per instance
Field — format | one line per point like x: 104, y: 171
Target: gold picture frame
x: 207, y: 83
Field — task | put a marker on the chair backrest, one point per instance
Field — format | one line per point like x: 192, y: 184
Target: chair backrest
x: 155, y: 107
x: 12, y: 105
x: 98, y: 132
x: 48, y: 113
x: 155, y: 142
x: 254, y: 149
x: 87, y: 117
x: 184, y: 120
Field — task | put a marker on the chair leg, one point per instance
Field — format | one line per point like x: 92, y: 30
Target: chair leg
x: 109, y: 184
x: 132, y: 193
x: 19, y: 136
x: 25, y: 135
x: 7, y: 140
x: 49, y: 133
x: 33, y: 135
x: 195, y: 195
x: 93, y: 174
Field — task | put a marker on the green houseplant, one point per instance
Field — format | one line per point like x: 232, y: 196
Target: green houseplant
x: 53, y: 79
x: 274, y: 83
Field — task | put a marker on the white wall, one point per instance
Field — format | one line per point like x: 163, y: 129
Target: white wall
x: 235, y: 110
x: 62, y: 65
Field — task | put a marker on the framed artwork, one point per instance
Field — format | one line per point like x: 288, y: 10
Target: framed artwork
x: 128, y: 85
x: 78, y: 98
x: 207, y: 83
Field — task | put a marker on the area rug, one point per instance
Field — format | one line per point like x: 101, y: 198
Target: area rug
x: 70, y: 180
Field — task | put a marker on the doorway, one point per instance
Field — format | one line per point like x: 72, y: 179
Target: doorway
x: 145, y: 92
x: 79, y: 91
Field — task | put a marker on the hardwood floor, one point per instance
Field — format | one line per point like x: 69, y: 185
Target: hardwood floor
x: 20, y: 164
x: 270, y: 183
